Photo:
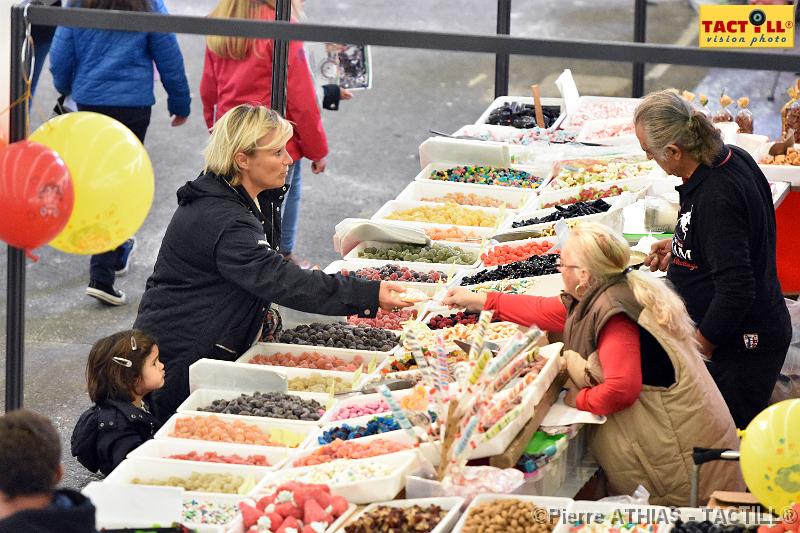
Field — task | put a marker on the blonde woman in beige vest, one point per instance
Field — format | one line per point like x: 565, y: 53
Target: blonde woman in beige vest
x: 632, y: 356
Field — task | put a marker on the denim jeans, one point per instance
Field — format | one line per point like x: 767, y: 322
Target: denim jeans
x: 291, y: 210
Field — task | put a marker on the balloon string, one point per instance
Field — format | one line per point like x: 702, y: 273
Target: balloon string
x: 26, y: 94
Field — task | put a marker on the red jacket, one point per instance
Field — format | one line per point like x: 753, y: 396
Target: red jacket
x: 618, y: 348
x: 227, y: 83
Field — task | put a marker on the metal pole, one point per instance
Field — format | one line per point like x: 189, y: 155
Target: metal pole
x: 639, y: 36
x: 502, y: 61
x: 15, y: 304
x: 280, y: 56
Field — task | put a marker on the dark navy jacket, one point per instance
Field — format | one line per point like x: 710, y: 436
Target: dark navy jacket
x: 215, y: 276
x: 106, y: 432
x: 115, y: 68
x: 69, y: 512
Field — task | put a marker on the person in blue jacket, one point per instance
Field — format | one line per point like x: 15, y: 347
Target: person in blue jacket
x: 111, y: 72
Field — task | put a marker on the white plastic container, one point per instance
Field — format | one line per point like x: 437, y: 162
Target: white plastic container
x: 554, y: 507
x: 418, y: 191
x: 590, y: 511
x: 425, y: 176
x: 787, y: 173
x: 163, y: 448
x: 650, y: 171
x: 362, y: 491
x: 564, y: 196
x: 203, y: 398
x: 133, y: 506
x: 158, y: 469
x: 591, y: 132
x: 501, y: 100
x: 392, y: 206
x: 234, y: 526
x: 352, y: 265
x: 471, y: 248
x: 346, y: 354
x: 450, y: 504
x: 303, y: 432
x: 518, y: 244
x: 613, y: 218
x: 619, y: 107
x: 548, y: 285
x: 358, y: 400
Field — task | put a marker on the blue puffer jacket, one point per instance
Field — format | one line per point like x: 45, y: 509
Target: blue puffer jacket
x: 115, y: 68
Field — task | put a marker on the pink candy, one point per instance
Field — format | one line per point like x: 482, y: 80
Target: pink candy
x: 352, y: 411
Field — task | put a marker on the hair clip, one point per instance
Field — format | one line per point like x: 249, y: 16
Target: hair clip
x: 134, y: 347
x: 122, y: 361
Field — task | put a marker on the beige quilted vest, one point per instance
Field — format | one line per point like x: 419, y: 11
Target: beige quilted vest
x: 650, y: 443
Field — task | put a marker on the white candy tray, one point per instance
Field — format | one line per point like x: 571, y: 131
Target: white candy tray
x: 417, y: 191
x: 304, y: 431
x: 157, y: 469
x: 162, y: 448
x: 467, y: 247
x: 203, y: 397
x: 361, y: 491
x: 450, y: 504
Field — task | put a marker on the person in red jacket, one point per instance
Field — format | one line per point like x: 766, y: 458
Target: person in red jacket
x: 622, y: 346
x: 238, y: 70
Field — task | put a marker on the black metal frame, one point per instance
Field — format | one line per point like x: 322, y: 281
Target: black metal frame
x: 502, y: 45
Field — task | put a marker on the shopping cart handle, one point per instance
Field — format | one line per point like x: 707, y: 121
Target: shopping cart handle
x: 704, y: 455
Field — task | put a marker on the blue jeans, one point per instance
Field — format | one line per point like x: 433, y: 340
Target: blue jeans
x: 291, y: 209
x: 103, y: 267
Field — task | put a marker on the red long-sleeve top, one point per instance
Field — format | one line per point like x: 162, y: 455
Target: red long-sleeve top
x: 618, y: 348
x: 227, y: 83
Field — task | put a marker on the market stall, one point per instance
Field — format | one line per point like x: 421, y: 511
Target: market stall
x: 302, y: 433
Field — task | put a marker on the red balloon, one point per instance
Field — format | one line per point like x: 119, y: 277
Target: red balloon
x: 36, y: 195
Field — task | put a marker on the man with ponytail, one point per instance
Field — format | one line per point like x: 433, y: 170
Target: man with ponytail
x: 631, y: 356
x: 721, y: 259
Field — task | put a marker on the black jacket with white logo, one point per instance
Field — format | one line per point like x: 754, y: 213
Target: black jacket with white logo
x: 723, y: 263
x: 215, y: 276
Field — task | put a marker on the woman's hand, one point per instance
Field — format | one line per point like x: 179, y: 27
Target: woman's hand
x: 390, y: 296
x: 571, y: 398
x: 461, y: 297
x: 660, y: 255
x: 179, y: 121
x: 345, y: 94
x: 318, y: 166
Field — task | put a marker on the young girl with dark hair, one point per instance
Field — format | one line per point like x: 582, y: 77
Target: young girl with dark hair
x: 122, y: 369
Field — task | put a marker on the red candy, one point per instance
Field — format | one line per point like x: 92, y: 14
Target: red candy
x: 504, y: 254
x: 214, y: 457
x: 385, y: 319
x: 295, y: 507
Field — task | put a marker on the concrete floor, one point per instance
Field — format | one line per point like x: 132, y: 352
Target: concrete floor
x: 374, y: 143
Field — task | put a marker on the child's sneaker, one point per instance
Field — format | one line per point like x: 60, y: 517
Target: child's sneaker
x: 124, y: 259
x: 105, y: 293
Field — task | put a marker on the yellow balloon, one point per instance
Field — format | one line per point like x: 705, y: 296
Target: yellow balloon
x: 770, y: 455
x: 112, y: 176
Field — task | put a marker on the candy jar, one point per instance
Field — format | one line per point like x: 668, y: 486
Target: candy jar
x: 724, y: 114
x: 790, y: 113
x: 704, y: 106
x: 744, y: 118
